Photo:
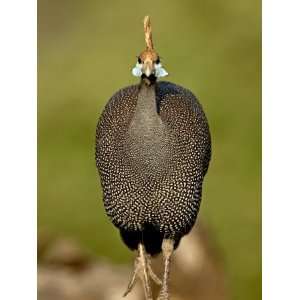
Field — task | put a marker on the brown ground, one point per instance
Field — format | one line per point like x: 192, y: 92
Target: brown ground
x: 67, y: 272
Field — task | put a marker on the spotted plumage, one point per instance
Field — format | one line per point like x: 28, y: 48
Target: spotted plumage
x: 152, y: 152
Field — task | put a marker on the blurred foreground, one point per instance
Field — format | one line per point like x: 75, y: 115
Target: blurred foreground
x: 68, y: 272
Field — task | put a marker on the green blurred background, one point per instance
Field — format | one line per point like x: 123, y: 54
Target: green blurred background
x: 86, y: 50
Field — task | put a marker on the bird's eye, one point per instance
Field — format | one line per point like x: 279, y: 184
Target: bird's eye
x: 157, y: 61
x: 139, y: 60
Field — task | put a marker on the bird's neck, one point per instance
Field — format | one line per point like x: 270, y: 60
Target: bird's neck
x: 146, y: 103
x: 146, y: 134
x: 146, y: 120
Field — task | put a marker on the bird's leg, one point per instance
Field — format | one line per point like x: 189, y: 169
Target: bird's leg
x: 167, y: 248
x: 143, y: 270
x: 153, y: 276
x: 136, y: 271
x: 145, y: 277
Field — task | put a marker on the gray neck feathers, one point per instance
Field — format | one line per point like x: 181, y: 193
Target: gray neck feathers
x: 146, y: 119
x: 146, y: 109
x: 147, y: 132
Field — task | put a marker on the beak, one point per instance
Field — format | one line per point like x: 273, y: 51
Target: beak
x: 148, y: 67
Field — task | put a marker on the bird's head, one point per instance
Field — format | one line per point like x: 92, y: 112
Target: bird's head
x: 148, y: 64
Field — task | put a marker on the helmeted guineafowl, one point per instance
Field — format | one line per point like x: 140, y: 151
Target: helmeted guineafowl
x: 153, y: 149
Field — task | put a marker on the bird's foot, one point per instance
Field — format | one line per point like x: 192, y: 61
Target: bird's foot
x: 136, y: 272
x: 143, y: 270
x: 153, y: 276
x: 167, y: 248
x: 163, y: 295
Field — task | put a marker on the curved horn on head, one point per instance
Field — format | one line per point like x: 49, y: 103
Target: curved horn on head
x: 148, y: 33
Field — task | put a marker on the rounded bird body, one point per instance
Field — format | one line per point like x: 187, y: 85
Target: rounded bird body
x: 153, y: 149
x: 152, y: 152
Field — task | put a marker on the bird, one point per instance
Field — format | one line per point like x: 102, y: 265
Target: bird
x: 153, y: 148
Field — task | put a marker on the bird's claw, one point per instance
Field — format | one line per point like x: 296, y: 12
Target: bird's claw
x: 143, y: 270
x: 163, y: 296
x: 133, y: 279
x: 153, y: 276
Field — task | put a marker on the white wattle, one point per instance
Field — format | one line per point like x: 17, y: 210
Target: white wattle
x: 160, y: 72
x: 137, y: 70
